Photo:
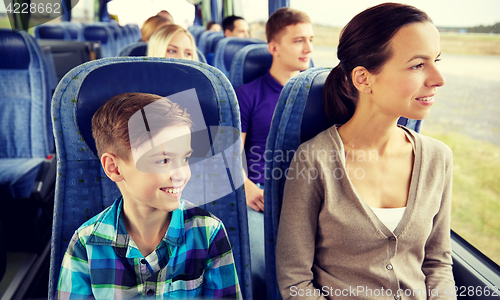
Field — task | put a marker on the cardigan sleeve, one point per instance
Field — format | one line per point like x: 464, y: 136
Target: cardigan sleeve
x: 437, y: 265
x: 295, y: 248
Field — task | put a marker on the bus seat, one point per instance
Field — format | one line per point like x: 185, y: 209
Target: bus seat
x: 226, y: 49
x: 52, y: 31
x: 196, y: 31
x: 249, y: 63
x: 103, y: 34
x: 212, y: 41
x: 74, y: 30
x: 202, y: 44
x: 299, y: 116
x: 136, y: 31
x: 27, y: 170
x: 141, y: 49
x: 3, y: 254
x: 83, y: 189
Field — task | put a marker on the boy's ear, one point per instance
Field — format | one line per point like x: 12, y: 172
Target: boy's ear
x: 361, y: 79
x: 110, y: 165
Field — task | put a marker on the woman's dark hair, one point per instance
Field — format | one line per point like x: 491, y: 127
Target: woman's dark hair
x: 364, y: 41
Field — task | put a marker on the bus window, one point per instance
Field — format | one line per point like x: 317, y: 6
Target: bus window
x: 465, y: 114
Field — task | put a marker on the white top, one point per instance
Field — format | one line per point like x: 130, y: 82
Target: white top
x: 389, y: 216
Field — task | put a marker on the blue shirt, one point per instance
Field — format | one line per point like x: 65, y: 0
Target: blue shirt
x: 194, y: 259
x: 257, y: 101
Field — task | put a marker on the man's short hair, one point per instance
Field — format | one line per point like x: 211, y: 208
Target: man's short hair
x: 280, y: 19
x: 110, y: 127
x: 228, y: 22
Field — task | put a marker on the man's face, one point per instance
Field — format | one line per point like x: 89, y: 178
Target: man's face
x: 294, y: 48
x: 241, y: 29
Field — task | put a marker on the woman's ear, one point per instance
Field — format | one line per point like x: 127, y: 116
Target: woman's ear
x: 110, y: 165
x: 360, y: 79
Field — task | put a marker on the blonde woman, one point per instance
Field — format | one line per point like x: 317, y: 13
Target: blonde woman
x: 172, y: 41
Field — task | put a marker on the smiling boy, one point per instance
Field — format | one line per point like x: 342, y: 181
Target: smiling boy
x: 289, y: 35
x: 150, y: 242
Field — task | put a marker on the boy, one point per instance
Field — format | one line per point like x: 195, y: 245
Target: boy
x: 150, y: 242
x: 289, y: 35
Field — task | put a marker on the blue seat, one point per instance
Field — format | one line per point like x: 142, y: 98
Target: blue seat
x: 226, y: 50
x: 82, y: 188
x: 202, y: 43
x: 27, y: 175
x: 196, y: 31
x: 52, y: 31
x: 103, y: 34
x: 141, y: 49
x: 299, y: 116
x: 75, y: 30
x: 249, y: 63
x: 211, y: 43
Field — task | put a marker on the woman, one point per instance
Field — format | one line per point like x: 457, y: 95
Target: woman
x: 371, y: 218
x: 172, y: 41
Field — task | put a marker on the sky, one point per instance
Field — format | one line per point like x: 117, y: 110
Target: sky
x: 446, y: 13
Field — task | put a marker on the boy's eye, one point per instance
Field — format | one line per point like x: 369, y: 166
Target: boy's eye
x: 186, y: 159
x: 163, y: 161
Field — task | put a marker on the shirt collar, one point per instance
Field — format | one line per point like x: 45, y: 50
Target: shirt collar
x: 275, y: 85
x: 110, y: 229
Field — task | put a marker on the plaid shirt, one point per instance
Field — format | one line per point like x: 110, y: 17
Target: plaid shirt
x: 194, y: 259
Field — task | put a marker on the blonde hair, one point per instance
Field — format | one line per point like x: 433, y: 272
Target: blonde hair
x: 151, y: 25
x: 158, y: 43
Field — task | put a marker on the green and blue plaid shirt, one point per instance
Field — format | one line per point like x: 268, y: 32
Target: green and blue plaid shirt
x: 194, y: 259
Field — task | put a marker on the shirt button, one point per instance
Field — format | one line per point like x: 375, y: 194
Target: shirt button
x: 143, y: 261
x: 150, y: 293
x: 397, y: 297
x: 389, y: 267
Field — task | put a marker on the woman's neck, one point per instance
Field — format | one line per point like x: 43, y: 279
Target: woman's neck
x: 371, y: 130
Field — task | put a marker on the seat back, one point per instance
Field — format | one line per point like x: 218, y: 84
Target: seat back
x: 52, y: 31
x: 226, y: 50
x: 103, y: 34
x: 212, y: 41
x: 75, y: 30
x: 141, y: 49
x: 249, y: 63
x: 83, y: 189
x: 196, y: 31
x: 202, y: 43
x: 25, y: 98
x: 299, y: 116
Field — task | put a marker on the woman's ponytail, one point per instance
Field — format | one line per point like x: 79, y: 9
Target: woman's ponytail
x: 337, y: 97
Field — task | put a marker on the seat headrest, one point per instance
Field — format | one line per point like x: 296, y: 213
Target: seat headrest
x: 140, y: 50
x: 234, y: 45
x: 14, y: 52
x: 144, y: 77
x: 314, y: 119
x: 95, y: 33
x: 257, y: 63
x: 51, y: 32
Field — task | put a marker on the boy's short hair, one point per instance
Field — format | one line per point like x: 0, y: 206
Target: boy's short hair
x: 228, y: 22
x: 280, y: 19
x: 110, y: 123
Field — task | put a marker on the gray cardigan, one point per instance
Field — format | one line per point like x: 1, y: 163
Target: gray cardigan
x: 331, y: 244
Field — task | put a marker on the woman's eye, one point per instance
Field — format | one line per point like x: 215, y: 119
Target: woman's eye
x: 418, y: 66
x: 171, y: 51
x: 188, y: 54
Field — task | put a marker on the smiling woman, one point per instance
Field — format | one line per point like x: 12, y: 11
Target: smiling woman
x: 396, y: 217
